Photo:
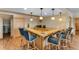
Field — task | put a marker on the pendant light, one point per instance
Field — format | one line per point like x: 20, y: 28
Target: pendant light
x: 41, y: 18
x: 31, y: 19
x: 53, y: 17
x: 60, y: 17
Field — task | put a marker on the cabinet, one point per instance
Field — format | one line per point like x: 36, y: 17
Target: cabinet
x: 77, y: 24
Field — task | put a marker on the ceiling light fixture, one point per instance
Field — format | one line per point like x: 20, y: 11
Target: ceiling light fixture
x: 31, y: 19
x: 41, y: 17
x: 60, y: 18
x: 25, y: 8
x: 53, y: 17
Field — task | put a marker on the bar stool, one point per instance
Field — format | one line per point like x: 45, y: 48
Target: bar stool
x: 54, y: 42
x: 64, y: 38
x: 70, y: 36
x: 29, y: 37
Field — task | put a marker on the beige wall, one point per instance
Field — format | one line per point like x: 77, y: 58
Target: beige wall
x: 55, y: 23
x: 22, y: 21
x: 1, y: 27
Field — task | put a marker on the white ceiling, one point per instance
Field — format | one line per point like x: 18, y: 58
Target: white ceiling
x: 46, y: 11
x: 74, y: 11
x: 35, y: 11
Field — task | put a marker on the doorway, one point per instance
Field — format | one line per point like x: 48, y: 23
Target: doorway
x: 7, y: 26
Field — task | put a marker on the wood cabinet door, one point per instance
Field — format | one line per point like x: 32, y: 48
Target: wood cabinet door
x: 77, y: 24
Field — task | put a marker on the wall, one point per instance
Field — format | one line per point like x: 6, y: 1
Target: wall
x: 33, y: 23
x: 1, y: 28
x: 54, y: 23
x: 68, y: 15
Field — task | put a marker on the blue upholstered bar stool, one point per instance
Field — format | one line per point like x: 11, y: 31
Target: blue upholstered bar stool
x: 64, y: 38
x: 67, y: 36
x: 54, y: 42
x: 29, y: 37
x: 70, y: 37
x: 60, y: 41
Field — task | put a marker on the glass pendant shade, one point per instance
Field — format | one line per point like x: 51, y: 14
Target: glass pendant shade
x: 60, y: 19
x: 31, y: 19
x: 41, y: 18
x: 53, y: 18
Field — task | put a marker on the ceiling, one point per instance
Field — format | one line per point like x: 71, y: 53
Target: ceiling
x: 75, y: 11
x: 46, y: 11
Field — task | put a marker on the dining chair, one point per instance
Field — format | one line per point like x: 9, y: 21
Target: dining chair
x: 29, y: 37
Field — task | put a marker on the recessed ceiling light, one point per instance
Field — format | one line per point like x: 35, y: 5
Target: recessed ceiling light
x: 25, y: 8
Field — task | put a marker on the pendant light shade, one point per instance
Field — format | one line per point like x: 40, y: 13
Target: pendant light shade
x: 41, y: 17
x: 31, y: 19
x: 60, y: 18
x: 53, y: 17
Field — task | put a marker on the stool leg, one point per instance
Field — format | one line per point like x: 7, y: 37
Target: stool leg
x: 49, y: 46
x: 3, y: 44
x: 33, y: 44
x: 28, y: 45
x: 21, y: 42
x: 57, y: 47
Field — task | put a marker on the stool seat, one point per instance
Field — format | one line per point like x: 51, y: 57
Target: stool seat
x: 28, y: 36
x: 32, y: 37
x: 53, y: 40
x: 62, y: 36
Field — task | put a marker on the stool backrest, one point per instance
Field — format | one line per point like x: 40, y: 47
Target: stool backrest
x: 70, y: 30
x: 24, y: 33
x: 63, y: 34
x: 21, y: 31
x: 53, y: 40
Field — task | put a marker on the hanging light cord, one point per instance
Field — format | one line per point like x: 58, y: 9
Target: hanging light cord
x: 60, y: 14
x: 41, y: 10
x: 31, y: 14
x: 53, y: 11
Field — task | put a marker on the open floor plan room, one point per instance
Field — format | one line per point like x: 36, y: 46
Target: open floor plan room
x: 39, y: 28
